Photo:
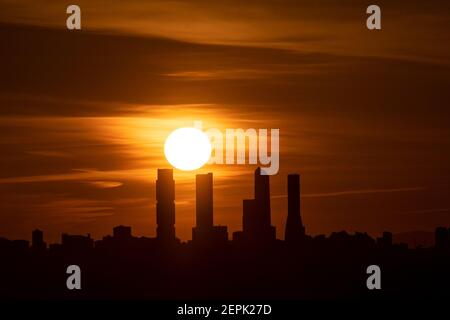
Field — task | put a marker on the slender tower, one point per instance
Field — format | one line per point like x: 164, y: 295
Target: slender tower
x: 204, y: 206
x: 262, y: 198
x: 295, y: 231
x: 256, y: 220
x: 165, y: 205
x: 256, y: 224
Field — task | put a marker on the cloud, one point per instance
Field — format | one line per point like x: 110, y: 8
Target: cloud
x: 324, y: 26
x: 105, y: 184
x: 49, y: 153
x: 80, y: 176
x: 355, y: 192
x: 430, y: 211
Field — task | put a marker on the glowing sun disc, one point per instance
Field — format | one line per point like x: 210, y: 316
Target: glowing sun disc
x: 187, y: 148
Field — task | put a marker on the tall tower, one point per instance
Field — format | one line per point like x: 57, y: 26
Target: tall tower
x: 204, y: 200
x: 256, y: 213
x: 295, y: 231
x: 165, y: 205
x: 262, y: 198
x: 204, y: 207
x: 205, y: 232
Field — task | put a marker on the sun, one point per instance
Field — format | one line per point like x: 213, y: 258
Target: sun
x: 187, y: 148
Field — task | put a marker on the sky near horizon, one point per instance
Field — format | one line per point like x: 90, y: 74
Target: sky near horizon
x: 363, y: 115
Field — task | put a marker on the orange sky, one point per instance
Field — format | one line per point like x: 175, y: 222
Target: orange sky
x: 362, y: 115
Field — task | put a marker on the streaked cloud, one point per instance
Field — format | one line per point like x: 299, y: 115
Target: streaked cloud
x: 49, y: 153
x: 430, y: 211
x: 330, y: 26
x: 354, y: 192
x: 105, y: 184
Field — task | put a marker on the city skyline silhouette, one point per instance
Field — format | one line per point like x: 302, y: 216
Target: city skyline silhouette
x: 104, y: 105
x: 252, y: 264
x: 256, y: 214
x: 81, y: 156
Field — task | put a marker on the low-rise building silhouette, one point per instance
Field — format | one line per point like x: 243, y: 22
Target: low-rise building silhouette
x: 76, y: 242
x: 20, y: 245
x: 442, y: 237
x: 385, y: 241
x: 122, y: 233
x: 37, y: 240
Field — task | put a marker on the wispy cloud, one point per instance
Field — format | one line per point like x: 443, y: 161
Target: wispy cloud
x: 77, y: 175
x: 49, y: 153
x: 355, y: 192
x: 105, y: 184
x: 431, y: 210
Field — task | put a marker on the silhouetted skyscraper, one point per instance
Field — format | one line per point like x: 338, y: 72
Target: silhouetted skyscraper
x: 262, y: 197
x: 38, y: 240
x: 204, y: 200
x: 165, y: 205
x: 295, y: 231
x: 205, y: 231
x: 256, y: 225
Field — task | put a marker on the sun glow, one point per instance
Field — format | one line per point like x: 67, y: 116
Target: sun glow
x: 187, y: 148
